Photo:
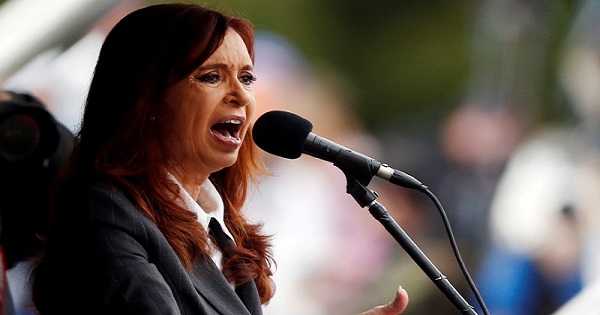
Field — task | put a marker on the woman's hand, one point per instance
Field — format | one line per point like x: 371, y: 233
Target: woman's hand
x: 394, y: 307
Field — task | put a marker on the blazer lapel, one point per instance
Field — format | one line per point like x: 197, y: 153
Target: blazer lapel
x: 212, y: 285
x: 248, y: 293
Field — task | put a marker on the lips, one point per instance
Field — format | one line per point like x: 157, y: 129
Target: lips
x: 228, y: 130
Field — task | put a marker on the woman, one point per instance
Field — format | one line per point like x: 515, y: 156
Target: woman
x: 164, y: 155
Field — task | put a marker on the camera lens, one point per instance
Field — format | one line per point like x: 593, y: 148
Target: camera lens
x: 20, y: 135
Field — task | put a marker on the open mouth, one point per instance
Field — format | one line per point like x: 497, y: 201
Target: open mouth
x: 228, y: 131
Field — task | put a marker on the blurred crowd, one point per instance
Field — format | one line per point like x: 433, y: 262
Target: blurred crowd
x: 520, y: 193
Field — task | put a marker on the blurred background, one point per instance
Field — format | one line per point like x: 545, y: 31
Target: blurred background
x: 493, y: 104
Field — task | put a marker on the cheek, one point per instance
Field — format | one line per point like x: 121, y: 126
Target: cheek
x: 180, y: 126
x: 191, y: 114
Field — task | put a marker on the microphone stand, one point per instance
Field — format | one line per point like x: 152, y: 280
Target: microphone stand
x: 366, y: 198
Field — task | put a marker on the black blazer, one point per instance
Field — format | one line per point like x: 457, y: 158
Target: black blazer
x: 110, y: 258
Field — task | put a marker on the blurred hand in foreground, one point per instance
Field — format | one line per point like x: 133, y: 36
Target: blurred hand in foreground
x: 395, y: 307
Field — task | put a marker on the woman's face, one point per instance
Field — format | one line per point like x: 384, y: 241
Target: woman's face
x: 211, y: 110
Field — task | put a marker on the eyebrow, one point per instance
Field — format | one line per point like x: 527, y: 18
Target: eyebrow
x: 222, y: 65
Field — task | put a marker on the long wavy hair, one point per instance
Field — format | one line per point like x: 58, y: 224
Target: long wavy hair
x: 119, y: 142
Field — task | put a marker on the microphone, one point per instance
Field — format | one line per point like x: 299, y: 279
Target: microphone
x: 288, y: 135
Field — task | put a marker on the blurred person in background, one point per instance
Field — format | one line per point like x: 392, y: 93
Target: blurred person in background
x: 544, y: 216
x: 477, y: 138
x: 477, y: 141
x: 502, y: 96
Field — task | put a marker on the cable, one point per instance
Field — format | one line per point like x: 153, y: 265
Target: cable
x: 455, y: 250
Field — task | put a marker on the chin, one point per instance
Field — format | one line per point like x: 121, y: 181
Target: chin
x: 229, y: 160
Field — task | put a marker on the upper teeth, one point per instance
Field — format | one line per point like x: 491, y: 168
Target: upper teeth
x: 233, y: 121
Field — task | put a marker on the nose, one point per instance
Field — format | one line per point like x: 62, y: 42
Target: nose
x: 239, y: 95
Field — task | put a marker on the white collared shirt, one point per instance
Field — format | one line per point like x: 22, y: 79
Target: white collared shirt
x: 209, y: 205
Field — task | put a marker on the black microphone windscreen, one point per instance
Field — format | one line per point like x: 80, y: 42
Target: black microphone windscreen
x: 281, y: 133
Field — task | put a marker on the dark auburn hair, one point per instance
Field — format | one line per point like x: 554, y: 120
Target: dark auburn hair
x: 118, y: 144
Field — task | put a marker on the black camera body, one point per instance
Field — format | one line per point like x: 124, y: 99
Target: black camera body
x: 33, y: 149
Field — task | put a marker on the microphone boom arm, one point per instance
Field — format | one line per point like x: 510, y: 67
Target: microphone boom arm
x: 366, y: 197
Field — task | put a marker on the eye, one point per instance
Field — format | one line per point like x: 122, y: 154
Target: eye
x: 247, y: 79
x: 211, y: 77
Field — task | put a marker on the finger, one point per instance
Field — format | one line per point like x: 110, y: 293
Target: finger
x: 397, y: 305
x: 394, y: 307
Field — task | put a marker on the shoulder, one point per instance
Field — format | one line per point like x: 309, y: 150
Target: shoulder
x: 104, y: 218
x: 103, y: 204
x: 101, y: 197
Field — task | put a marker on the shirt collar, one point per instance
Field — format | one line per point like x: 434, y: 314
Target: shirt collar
x: 209, y: 204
